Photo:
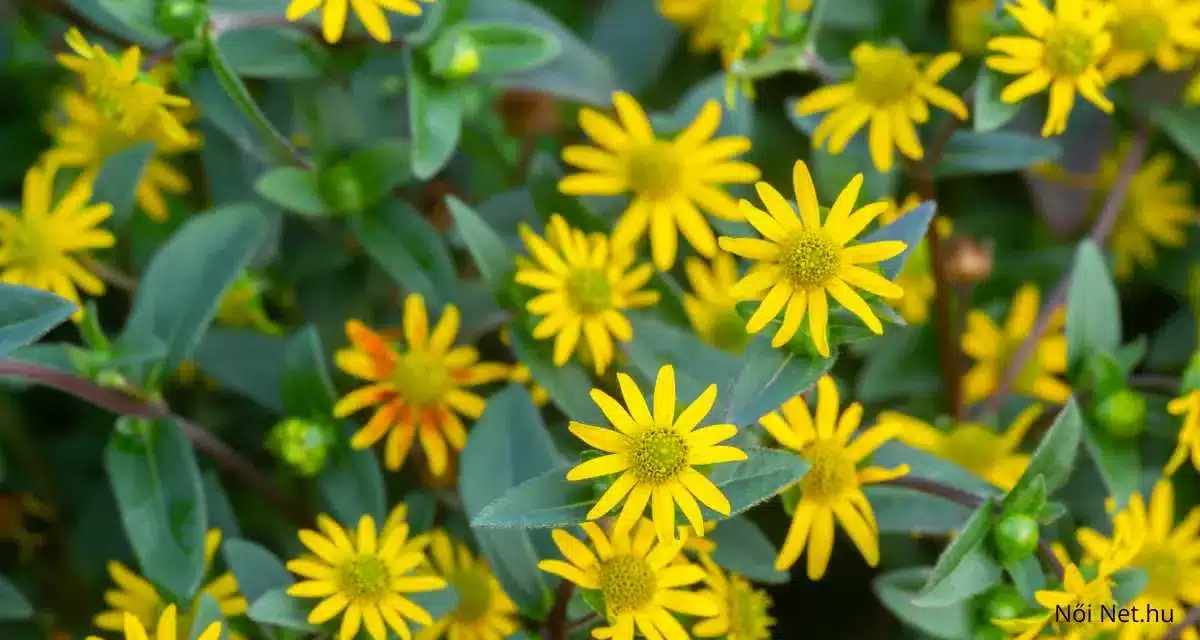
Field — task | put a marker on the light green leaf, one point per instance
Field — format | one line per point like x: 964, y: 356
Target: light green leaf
x: 1027, y: 576
x: 496, y: 261
x: 28, y: 314
x: 257, y: 570
x: 909, y: 229
x: 296, y: 190
x: 159, y: 493
x: 974, y: 153
x: 768, y: 378
x: 276, y: 608
x: 568, y: 386
x: 1054, y: 457
x: 1093, y: 310
x: 410, y: 250
x: 743, y: 548
x: 1118, y: 460
x: 207, y: 612
x: 273, y: 52
x: 897, y: 590
x: 119, y: 177
x: 351, y: 484
x: 435, y: 119
x: 990, y: 112
x: 502, y: 48
x: 965, y: 568
x: 13, y: 604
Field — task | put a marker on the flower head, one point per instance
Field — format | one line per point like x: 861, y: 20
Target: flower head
x: 970, y: 25
x: 993, y: 456
x: 587, y: 283
x: 637, y: 577
x: 668, y: 179
x: 362, y: 576
x: 800, y: 260
x: 993, y: 348
x: 1168, y: 556
x: 1188, y: 406
x: 743, y: 610
x: 419, y: 390
x: 1061, y: 52
x: 916, y: 276
x: 370, y: 12
x: 892, y: 90
x: 728, y: 26
x: 832, y: 487
x: 164, y: 627
x: 656, y: 455
x: 41, y: 244
x: 135, y: 597
x: 484, y: 610
x: 1162, y: 31
x: 710, y: 306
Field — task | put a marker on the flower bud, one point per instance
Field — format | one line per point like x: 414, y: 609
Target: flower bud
x: 1002, y: 603
x: 1123, y: 413
x: 968, y: 261
x: 464, y: 61
x: 301, y: 444
x: 1015, y: 537
x: 341, y: 189
x: 181, y: 19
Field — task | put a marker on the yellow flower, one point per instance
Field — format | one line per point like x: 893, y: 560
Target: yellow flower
x: 724, y: 25
x: 640, y: 583
x: 1061, y: 52
x: 370, y: 12
x: 1168, y: 556
x: 656, y: 455
x: 668, y: 178
x: 916, y: 276
x: 802, y: 259
x: 484, y: 610
x: 40, y: 244
x: 995, y: 457
x: 832, y: 488
x: 364, y: 578
x: 743, y: 609
x: 586, y: 284
x: 993, y: 348
x: 710, y: 306
x: 1077, y: 591
x: 1145, y: 30
x: 969, y: 25
x: 1188, y: 406
x: 698, y: 544
x: 136, y: 597
x: 1155, y: 211
x: 892, y: 91
x: 420, y: 390
x: 168, y: 628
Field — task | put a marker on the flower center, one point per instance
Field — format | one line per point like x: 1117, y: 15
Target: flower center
x: 1068, y: 51
x: 30, y: 246
x: 474, y: 594
x: 365, y: 577
x: 1140, y: 31
x: 810, y: 259
x: 1163, y: 570
x: 884, y: 76
x: 748, y: 612
x: 831, y: 473
x: 589, y: 291
x: 730, y: 22
x: 627, y: 583
x: 658, y: 454
x: 420, y: 377
x: 973, y: 446
x: 655, y: 170
x: 729, y: 331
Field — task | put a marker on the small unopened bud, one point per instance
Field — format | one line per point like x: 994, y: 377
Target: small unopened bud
x: 1015, y: 537
x: 1123, y: 413
x: 968, y: 261
x: 1003, y: 603
x: 464, y: 61
x: 301, y: 444
x: 181, y: 19
x: 111, y: 379
x: 341, y: 189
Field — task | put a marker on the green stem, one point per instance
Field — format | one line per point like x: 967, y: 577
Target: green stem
x: 814, y: 24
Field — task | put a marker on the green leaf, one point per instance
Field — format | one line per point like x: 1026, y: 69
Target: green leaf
x: 409, y: 249
x: 989, y: 112
x: 1182, y: 126
x: 496, y: 261
x: 896, y: 590
x: 435, y: 114
x: 1029, y: 501
x: 1118, y: 460
x: 736, y: 120
x: 305, y: 388
x: 277, y: 609
x: 697, y: 365
x: 930, y: 467
x: 159, y: 493
x: 1055, y: 454
x: 245, y: 362
x: 239, y: 95
x: 183, y: 285
x: 216, y: 503
x: 1027, y: 576
x: 743, y: 548
x: 119, y: 177
x: 965, y: 568
x: 13, y: 604
x: 1093, y: 310
x: 273, y: 52
x: 549, y: 500
x: 139, y: 16
x: 502, y: 48
x: 439, y: 603
x: 508, y: 445
x: 910, y: 229
x: 206, y: 612
x: 974, y: 153
x: 296, y: 190
x: 907, y: 511
x: 351, y: 484
x: 635, y: 38
x: 568, y: 386
x: 28, y: 314
x: 257, y: 570
x: 1129, y: 584
x: 768, y: 378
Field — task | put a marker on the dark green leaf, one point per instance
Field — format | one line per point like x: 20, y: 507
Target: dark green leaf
x: 409, y: 249
x: 439, y: 603
x: 139, y: 16
x: 494, y: 258
x: 295, y: 190
x: 28, y: 314
x: 568, y: 386
x: 1182, y: 126
x: 207, y: 612
x: 736, y: 120
x: 13, y: 604
x: 237, y: 95
x: 119, y: 177
x: 767, y: 379
x: 975, y: 153
x: 898, y: 589
x: 305, y: 388
x: 244, y: 361
x: 277, y: 609
x: 1093, y: 310
x: 216, y: 502
x: 1055, y: 455
x: 930, y: 467
x: 965, y: 568
x: 697, y: 365
x: 909, y: 229
x: 1027, y: 576
x: 635, y: 38
x: 257, y: 570
x: 742, y: 548
x: 351, y: 484
x: 1030, y: 500
x: 1129, y: 584
x: 989, y: 112
x: 435, y: 120
x: 1118, y: 460
x: 273, y: 52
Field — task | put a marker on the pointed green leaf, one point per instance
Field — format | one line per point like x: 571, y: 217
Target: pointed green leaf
x: 1054, y: 457
x: 435, y: 119
x: 28, y: 314
x: 276, y: 608
x: 1093, y: 310
x: 257, y: 570
x: 909, y: 229
x: 13, y: 604
x: 494, y: 258
x: 743, y: 548
x: 896, y: 590
x: 974, y: 153
x: 119, y: 177
x: 296, y: 190
x: 965, y: 568
x: 409, y: 249
x: 305, y: 388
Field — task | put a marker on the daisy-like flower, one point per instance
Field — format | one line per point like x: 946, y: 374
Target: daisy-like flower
x: 1188, y: 406
x: 136, y: 597
x: 800, y: 260
x: 484, y: 611
x: 369, y: 12
x: 638, y: 578
x: 1164, y: 31
x: 710, y: 306
x: 1062, y: 52
x: 743, y: 610
x: 168, y: 628
x: 419, y: 390
x: 656, y: 455
x: 1077, y: 590
x: 916, y: 276
x: 670, y: 180
x: 995, y: 457
x: 832, y: 488
x: 587, y: 283
x: 970, y: 25
x: 727, y: 26
x: 1170, y: 556
x: 41, y: 244
x: 364, y: 577
x: 993, y: 348
x: 890, y: 89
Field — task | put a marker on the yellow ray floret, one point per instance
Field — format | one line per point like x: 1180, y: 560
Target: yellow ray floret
x: 1188, y: 406
x: 168, y: 628
x: 370, y: 12
x: 1160, y: 31
x: 711, y: 305
x: 484, y: 610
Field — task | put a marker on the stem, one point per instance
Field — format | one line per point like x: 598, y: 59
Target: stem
x: 1155, y: 382
x: 575, y: 626
x: 556, y: 622
x: 124, y: 404
x: 112, y: 275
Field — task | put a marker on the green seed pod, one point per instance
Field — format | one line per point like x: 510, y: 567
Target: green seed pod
x: 1123, y: 414
x: 1015, y: 537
